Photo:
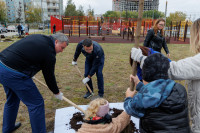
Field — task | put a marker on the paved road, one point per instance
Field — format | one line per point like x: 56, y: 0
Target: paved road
x: 16, y: 33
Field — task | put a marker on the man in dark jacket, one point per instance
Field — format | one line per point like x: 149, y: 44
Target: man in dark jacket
x: 18, y: 64
x: 19, y: 28
x: 93, y: 64
x: 161, y: 104
x: 54, y: 29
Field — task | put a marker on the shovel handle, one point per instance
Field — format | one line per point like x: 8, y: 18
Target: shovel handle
x: 83, y: 77
x: 64, y: 98
x: 73, y: 104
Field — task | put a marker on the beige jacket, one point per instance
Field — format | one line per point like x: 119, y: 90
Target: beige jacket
x: 189, y: 69
x: 116, y: 126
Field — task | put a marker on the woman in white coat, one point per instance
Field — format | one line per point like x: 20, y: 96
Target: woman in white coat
x: 185, y: 69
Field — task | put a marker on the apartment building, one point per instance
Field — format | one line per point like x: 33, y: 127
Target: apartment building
x: 16, y: 8
x: 133, y: 5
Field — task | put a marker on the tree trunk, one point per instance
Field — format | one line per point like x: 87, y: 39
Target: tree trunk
x: 137, y: 39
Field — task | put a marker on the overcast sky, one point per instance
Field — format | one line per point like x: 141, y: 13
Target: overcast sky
x: 190, y: 7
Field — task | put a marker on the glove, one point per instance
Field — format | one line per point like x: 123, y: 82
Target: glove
x: 74, y: 63
x: 59, y: 96
x: 85, y: 80
x: 136, y: 54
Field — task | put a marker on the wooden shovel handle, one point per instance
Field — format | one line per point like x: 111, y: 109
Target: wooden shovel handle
x: 83, y: 77
x: 64, y: 98
x: 73, y: 104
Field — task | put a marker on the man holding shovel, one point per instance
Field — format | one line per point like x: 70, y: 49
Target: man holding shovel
x: 18, y: 64
x: 93, y: 64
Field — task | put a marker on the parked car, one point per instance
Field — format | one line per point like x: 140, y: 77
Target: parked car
x: 40, y: 26
x: 3, y: 29
x: 11, y: 28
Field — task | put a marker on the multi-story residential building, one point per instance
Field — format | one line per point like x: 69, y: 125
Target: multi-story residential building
x: 133, y: 5
x: 54, y: 8
x: 16, y: 8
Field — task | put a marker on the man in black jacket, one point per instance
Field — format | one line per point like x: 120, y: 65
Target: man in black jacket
x: 93, y: 64
x: 18, y: 64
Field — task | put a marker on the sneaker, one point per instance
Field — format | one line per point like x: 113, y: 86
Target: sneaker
x: 87, y: 95
x: 17, y: 125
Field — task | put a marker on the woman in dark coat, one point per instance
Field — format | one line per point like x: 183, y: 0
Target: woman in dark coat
x: 155, y: 37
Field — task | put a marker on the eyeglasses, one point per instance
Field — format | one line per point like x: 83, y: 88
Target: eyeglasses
x: 161, y: 25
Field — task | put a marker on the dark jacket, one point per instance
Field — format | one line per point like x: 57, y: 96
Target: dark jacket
x: 32, y: 54
x: 167, y: 115
x: 19, y: 27
x: 155, y: 42
x: 94, y: 57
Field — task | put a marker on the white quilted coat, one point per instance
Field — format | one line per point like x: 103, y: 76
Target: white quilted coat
x: 189, y: 69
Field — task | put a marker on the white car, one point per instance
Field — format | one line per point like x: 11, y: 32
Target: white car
x: 3, y: 29
x: 11, y: 28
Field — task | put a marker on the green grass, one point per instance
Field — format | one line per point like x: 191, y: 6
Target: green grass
x: 116, y: 79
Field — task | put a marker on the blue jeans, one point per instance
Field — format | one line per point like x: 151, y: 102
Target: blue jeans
x: 99, y: 74
x: 19, y: 86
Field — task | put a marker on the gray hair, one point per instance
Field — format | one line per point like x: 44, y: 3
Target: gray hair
x: 60, y: 37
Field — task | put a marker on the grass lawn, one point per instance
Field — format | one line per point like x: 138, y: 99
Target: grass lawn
x: 116, y: 80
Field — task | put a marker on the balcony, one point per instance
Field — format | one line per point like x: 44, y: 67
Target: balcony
x: 53, y: 1
x: 52, y: 7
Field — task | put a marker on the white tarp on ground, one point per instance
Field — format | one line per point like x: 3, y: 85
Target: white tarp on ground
x: 63, y: 116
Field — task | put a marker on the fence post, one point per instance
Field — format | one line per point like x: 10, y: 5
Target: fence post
x: 79, y: 28
x: 123, y: 33
x: 71, y: 27
x: 121, y: 28
x: 144, y: 29
x: 62, y: 26
x: 89, y: 31
x: 179, y: 28
x: 185, y: 32
x: 128, y: 33
x: 87, y: 28
x: 170, y: 30
x: 132, y: 37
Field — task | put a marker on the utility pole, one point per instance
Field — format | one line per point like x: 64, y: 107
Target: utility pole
x: 165, y: 13
x: 42, y: 16
x: 153, y: 9
x: 126, y: 8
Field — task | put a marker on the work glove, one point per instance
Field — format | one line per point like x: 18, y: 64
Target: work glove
x: 59, y: 95
x: 136, y: 54
x: 85, y: 80
x: 74, y: 63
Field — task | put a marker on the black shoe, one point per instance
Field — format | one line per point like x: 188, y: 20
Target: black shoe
x: 17, y: 125
x: 87, y: 95
x: 101, y: 96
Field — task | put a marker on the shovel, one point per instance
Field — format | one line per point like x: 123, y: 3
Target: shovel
x: 83, y: 77
x: 64, y: 98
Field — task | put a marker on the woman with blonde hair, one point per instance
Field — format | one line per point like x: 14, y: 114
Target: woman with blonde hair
x: 155, y: 37
x: 185, y: 69
x: 97, y: 119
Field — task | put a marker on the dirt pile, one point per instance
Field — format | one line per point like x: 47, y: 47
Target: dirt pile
x: 77, y: 119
